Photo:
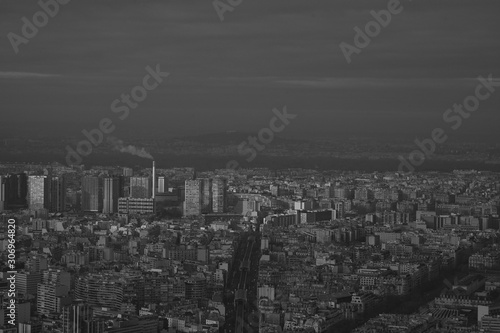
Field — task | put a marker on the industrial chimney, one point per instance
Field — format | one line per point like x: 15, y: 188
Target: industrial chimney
x: 153, y: 175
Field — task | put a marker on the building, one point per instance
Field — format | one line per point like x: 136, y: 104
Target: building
x: 140, y: 187
x: 36, y: 192
x: 128, y: 205
x: 92, y: 194
x: 76, y: 317
x: 193, y: 197
x: 27, y: 282
x: 100, y: 291
x: 161, y: 184
x: 51, y: 297
x: 113, y: 190
x: 15, y: 190
x: 219, y: 195
x: 55, y: 193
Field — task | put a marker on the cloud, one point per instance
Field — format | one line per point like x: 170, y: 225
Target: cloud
x: 119, y: 145
x: 349, y: 82
x: 22, y: 75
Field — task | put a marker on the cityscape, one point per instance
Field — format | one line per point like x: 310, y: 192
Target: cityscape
x: 120, y: 249
x: 237, y: 166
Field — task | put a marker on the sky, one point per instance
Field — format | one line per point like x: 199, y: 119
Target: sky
x: 229, y: 75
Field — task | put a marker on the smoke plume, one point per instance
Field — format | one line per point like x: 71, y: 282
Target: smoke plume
x: 119, y: 145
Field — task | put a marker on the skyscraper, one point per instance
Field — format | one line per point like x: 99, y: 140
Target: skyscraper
x: 55, y: 193
x: 140, y: 187
x: 92, y: 194
x: 161, y: 184
x: 36, y: 192
x: 113, y: 189
x: 219, y: 195
x: 204, y: 195
x: 193, y: 197
x: 206, y: 199
x: 15, y: 190
x: 77, y: 317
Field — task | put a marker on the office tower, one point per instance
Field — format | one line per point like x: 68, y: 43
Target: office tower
x: 55, y: 193
x: 91, y: 194
x: 36, y: 192
x: 113, y: 189
x: 76, y: 317
x: 140, y: 187
x: 100, y: 290
x: 206, y: 198
x: 219, y: 195
x: 161, y: 184
x: 15, y: 190
x: 193, y: 197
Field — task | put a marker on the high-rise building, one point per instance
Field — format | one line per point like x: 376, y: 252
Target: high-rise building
x: 51, y: 298
x: 219, y: 195
x: 161, y: 184
x: 140, y: 187
x: 92, y: 194
x: 15, y: 190
x: 193, y: 197
x: 204, y: 195
x: 113, y: 189
x: 36, y: 192
x: 77, y: 317
x: 206, y: 198
x: 55, y: 193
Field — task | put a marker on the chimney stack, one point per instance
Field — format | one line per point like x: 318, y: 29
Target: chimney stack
x: 153, y: 175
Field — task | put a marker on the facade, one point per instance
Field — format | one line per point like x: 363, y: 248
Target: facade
x: 55, y: 194
x: 204, y: 195
x: 193, y: 197
x: 219, y: 195
x: 161, y: 184
x: 36, y: 192
x: 113, y: 190
x: 136, y: 205
x: 140, y: 187
x: 91, y: 194
x: 100, y: 291
x: 15, y: 189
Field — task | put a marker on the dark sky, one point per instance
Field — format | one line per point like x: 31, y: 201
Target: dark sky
x: 229, y: 75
